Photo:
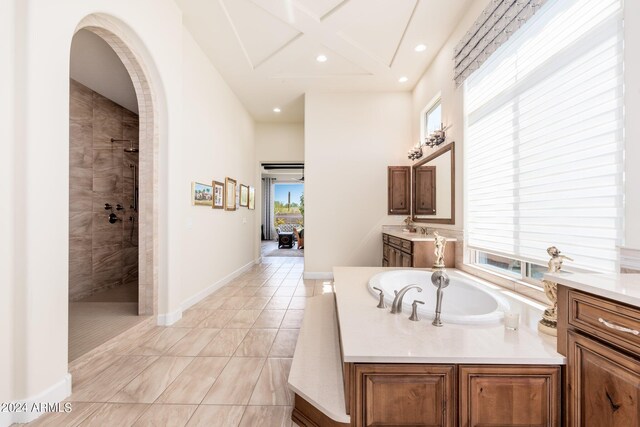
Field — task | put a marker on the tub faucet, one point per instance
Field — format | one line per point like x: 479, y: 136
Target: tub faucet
x: 396, y: 307
x: 440, y: 279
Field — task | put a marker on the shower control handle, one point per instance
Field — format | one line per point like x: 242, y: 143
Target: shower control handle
x: 113, y: 218
x: 107, y: 207
x: 119, y: 207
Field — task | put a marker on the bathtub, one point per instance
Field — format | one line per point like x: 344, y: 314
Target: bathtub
x: 464, y: 301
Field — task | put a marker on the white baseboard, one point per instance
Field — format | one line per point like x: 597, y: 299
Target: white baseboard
x: 54, y: 394
x: 171, y: 318
x: 318, y: 275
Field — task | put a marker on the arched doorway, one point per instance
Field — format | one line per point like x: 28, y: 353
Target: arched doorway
x: 145, y: 170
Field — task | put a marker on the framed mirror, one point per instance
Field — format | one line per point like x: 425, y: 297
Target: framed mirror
x: 433, y: 187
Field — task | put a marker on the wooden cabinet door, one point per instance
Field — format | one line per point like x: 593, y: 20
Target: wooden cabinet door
x: 399, y: 184
x: 509, y: 395
x: 425, y: 190
x: 404, y: 395
x: 603, y: 385
x: 407, y: 260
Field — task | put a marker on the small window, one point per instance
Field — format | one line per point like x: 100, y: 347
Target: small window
x: 501, y: 264
x: 433, y: 119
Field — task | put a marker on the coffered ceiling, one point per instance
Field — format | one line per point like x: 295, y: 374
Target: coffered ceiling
x: 267, y: 49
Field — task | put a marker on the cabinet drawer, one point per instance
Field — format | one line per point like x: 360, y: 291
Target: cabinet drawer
x: 615, y: 323
x: 404, y: 245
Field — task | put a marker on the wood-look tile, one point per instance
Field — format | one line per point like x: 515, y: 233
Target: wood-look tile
x: 257, y: 342
x: 79, y: 412
x: 284, y: 292
x: 225, y: 343
x: 107, y: 123
x: 298, y: 303
x: 303, y: 291
x: 193, y: 342
x: 233, y: 303
x: 80, y: 102
x: 192, y: 318
x: 227, y: 291
x: 115, y: 414
x: 107, y: 383
x: 216, y: 416
x: 150, y: 384
x: 193, y: 383
x: 235, y: 384
x: 285, y: 343
x: 292, y: 319
x: 162, y: 342
x: 278, y: 303
x: 218, y: 319
x: 269, y: 319
x: 166, y: 415
x: 265, y: 292
x: 243, y: 319
x: 246, y: 292
x: 256, y: 303
x: 272, y: 416
x: 272, y: 386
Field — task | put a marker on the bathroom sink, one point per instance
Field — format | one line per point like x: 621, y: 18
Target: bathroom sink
x: 465, y: 301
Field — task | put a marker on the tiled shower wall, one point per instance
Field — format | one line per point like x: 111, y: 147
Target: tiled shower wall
x: 101, y: 255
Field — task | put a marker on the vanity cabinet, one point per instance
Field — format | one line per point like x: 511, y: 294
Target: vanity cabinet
x: 601, y: 340
x: 399, y: 190
x: 397, y: 252
x: 404, y: 395
x: 452, y: 395
x: 532, y: 393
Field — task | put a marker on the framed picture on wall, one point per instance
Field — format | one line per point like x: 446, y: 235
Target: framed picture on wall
x: 218, y: 195
x: 244, y: 195
x: 229, y: 194
x: 201, y: 194
x: 252, y: 198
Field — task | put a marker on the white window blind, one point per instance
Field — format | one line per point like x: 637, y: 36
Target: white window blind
x: 544, y: 138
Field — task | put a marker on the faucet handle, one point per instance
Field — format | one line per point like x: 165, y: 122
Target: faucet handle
x: 381, y: 303
x: 414, y: 310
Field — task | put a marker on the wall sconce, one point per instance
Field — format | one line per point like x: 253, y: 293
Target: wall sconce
x: 433, y: 140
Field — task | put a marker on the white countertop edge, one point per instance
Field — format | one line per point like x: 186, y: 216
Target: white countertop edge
x: 324, y: 343
x: 340, y: 418
x: 610, y: 286
x: 414, y: 237
x: 460, y: 360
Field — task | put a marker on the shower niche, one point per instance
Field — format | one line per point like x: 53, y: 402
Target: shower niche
x: 103, y: 194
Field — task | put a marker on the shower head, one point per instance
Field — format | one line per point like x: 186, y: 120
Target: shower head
x: 131, y: 150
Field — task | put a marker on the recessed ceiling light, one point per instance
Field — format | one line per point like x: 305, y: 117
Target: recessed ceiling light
x: 321, y: 58
x: 403, y: 79
x: 420, y: 48
x: 276, y: 110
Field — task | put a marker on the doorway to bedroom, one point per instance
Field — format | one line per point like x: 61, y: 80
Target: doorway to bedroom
x: 282, y: 226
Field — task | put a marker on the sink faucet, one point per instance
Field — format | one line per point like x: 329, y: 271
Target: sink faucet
x: 396, y: 306
x: 440, y: 279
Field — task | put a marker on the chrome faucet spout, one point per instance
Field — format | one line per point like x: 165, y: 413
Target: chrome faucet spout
x: 396, y: 306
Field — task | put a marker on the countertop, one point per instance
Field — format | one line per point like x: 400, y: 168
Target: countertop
x: 624, y: 288
x: 316, y: 370
x: 414, y: 237
x: 373, y: 335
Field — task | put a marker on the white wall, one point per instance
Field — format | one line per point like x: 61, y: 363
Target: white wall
x: 350, y: 139
x: 218, y: 142
x: 279, y: 142
x: 438, y: 79
x: 36, y: 269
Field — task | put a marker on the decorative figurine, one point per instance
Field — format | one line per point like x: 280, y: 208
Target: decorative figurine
x: 409, y: 223
x: 549, y: 322
x: 439, y: 243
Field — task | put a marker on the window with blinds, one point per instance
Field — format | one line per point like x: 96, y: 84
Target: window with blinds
x: 544, y: 139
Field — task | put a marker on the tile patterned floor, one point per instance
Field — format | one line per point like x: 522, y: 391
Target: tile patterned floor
x: 225, y: 363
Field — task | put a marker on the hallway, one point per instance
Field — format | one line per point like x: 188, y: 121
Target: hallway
x: 225, y: 363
